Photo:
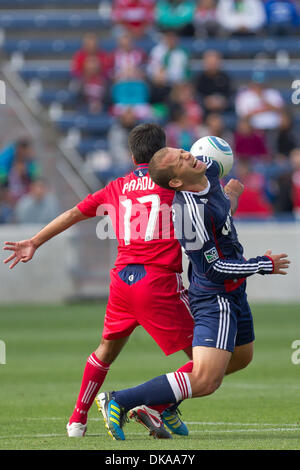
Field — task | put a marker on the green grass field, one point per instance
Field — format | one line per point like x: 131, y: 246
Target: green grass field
x: 47, y: 346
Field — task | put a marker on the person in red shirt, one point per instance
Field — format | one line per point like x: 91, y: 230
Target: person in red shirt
x: 93, y: 86
x: 90, y: 48
x: 146, y: 287
x: 252, y: 202
x: 127, y: 57
x: 134, y: 15
x: 249, y: 143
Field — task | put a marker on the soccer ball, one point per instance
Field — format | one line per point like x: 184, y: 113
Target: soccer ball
x: 216, y: 149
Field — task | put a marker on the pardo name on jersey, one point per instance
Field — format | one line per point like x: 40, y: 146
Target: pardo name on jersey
x: 141, y: 184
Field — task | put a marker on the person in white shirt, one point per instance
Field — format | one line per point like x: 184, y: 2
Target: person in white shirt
x: 240, y: 17
x: 169, y: 59
x: 263, y: 106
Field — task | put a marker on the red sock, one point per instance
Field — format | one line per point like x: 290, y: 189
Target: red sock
x: 93, y: 377
x: 188, y: 367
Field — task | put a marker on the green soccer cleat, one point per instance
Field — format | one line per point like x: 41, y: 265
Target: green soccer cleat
x: 172, y: 420
x: 113, y: 414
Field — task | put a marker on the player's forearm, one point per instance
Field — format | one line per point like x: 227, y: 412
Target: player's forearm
x: 58, y: 225
x: 223, y: 270
x: 234, y: 199
x: 233, y: 189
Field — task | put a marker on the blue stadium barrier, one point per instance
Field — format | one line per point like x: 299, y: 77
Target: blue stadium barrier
x: 62, y: 96
x: 55, y: 46
x: 89, y: 145
x: 246, y: 47
x: 48, y: 3
x: 50, y: 20
x: 99, y: 124
x: 236, y: 70
x: 59, y: 96
x: 228, y: 48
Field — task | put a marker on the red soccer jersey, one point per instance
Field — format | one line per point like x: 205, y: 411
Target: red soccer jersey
x: 141, y: 216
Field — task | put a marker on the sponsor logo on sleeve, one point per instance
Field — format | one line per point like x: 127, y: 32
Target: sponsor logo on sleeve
x: 211, y: 255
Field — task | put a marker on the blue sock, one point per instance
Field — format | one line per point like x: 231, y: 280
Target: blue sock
x: 155, y: 392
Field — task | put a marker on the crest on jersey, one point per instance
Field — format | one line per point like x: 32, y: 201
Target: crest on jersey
x: 211, y: 255
x: 140, y: 172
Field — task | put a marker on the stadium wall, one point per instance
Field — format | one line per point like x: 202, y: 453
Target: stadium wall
x: 50, y: 277
x: 46, y: 279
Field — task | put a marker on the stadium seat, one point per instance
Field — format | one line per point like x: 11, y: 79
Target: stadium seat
x: 99, y: 124
x: 237, y: 69
x: 12, y: 20
x: 230, y: 48
x: 89, y: 145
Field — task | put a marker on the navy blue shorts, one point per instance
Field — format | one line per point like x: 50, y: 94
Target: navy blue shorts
x: 222, y: 321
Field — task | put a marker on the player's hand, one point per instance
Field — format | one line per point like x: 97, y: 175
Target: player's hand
x: 22, y: 251
x: 281, y: 263
x: 234, y: 187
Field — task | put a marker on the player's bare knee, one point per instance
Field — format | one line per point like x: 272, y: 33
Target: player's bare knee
x: 205, y: 385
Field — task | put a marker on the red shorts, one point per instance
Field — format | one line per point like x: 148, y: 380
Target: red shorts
x: 153, y: 298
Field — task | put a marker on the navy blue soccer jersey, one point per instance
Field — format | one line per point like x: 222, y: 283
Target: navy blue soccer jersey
x: 205, y: 229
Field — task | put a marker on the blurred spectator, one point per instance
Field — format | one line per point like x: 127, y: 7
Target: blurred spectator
x: 279, y: 184
x: 213, y: 84
x: 183, y: 94
x: 168, y: 58
x: 127, y: 57
x: 39, y: 206
x: 205, y: 19
x: 214, y: 125
x: 249, y: 144
x: 286, y: 139
x: 176, y: 15
x: 132, y: 92
x: 6, y: 207
x: 18, y: 167
x: 252, y: 202
x: 159, y: 94
x: 282, y: 17
x: 92, y: 86
x: 241, y: 17
x: 117, y: 140
x: 134, y: 16
x: 90, y: 48
x: 295, y: 162
x: 179, y: 131
x: 261, y: 105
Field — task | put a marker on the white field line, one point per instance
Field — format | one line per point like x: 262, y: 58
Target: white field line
x: 256, y: 430
x: 202, y: 423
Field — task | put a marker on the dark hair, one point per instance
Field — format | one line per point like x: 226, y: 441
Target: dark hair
x: 159, y: 174
x: 144, y: 140
x: 23, y: 143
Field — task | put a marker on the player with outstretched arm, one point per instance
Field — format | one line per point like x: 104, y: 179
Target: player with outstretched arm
x: 146, y: 287
x: 223, y: 332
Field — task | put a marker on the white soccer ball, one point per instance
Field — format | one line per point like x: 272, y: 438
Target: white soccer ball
x: 216, y: 149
